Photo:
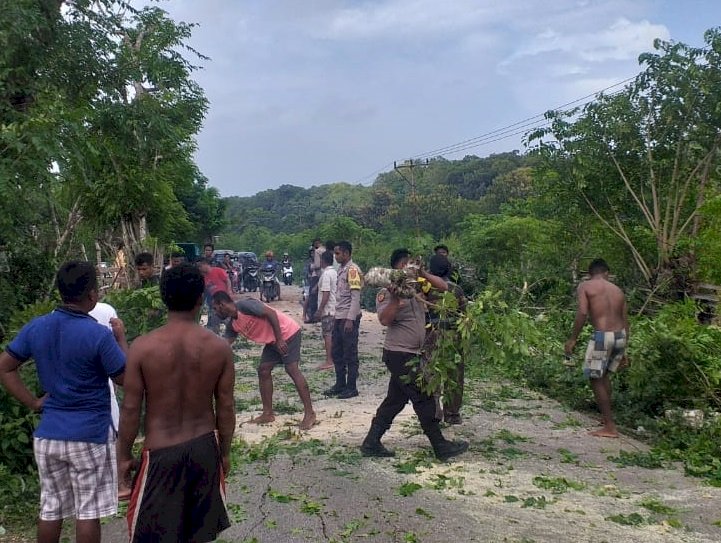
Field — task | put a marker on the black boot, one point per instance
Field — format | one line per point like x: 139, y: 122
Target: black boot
x: 350, y: 390
x: 340, y: 380
x: 334, y: 390
x: 443, y: 448
x: 348, y: 393
x: 372, y: 445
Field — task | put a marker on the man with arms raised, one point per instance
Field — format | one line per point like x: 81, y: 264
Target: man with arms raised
x: 74, y: 444
x: 183, y: 371
x: 604, y: 304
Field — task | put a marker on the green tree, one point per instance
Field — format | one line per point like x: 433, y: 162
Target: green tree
x: 644, y: 161
x: 98, y: 115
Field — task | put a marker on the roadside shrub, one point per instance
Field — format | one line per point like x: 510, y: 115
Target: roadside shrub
x: 675, y: 362
x: 142, y: 310
x: 16, y: 422
x: 18, y: 497
x: 17, y: 425
x: 697, y: 448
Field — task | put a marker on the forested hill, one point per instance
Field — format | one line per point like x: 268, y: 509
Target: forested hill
x: 446, y: 191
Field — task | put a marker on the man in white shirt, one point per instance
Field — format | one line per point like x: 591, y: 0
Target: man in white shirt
x: 326, y: 306
x: 106, y: 315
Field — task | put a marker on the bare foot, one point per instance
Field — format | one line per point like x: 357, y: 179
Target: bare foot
x: 604, y: 432
x: 124, y: 492
x: 265, y: 418
x: 308, y: 421
x: 325, y: 367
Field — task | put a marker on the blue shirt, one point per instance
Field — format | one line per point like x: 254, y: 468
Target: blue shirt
x: 74, y: 356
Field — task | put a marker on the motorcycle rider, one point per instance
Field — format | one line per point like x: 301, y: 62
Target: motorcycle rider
x: 249, y: 274
x: 287, y: 267
x: 269, y: 263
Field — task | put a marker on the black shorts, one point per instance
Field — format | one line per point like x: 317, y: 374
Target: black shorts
x: 272, y: 355
x: 179, y: 494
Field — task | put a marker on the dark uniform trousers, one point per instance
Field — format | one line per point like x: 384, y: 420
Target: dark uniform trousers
x: 313, y: 296
x: 344, y: 352
x: 399, y: 392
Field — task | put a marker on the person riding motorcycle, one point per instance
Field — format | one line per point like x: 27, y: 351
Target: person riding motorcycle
x: 270, y: 261
x: 287, y: 269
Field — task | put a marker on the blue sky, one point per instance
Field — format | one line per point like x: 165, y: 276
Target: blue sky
x: 307, y: 92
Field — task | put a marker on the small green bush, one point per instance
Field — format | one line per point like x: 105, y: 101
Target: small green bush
x: 675, y: 362
x: 142, y: 310
x: 17, y: 424
x: 19, y: 497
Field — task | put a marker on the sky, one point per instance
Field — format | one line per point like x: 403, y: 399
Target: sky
x: 308, y: 92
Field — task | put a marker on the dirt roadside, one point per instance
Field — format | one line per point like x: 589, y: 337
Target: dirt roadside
x: 531, y: 474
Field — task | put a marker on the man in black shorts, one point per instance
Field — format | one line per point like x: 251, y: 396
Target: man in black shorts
x: 280, y: 334
x: 182, y: 370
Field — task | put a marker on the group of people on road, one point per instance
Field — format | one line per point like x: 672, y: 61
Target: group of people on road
x: 184, y: 375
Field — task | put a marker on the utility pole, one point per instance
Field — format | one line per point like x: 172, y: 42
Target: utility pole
x: 409, y: 165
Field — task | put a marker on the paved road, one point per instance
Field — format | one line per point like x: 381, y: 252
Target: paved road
x: 531, y: 475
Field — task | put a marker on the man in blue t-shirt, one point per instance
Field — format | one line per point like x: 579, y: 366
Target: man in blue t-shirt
x: 74, y: 443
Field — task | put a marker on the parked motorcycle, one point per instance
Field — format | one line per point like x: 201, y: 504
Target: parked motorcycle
x: 287, y: 273
x: 270, y: 289
x: 250, y: 277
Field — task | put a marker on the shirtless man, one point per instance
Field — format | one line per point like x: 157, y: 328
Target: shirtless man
x: 182, y: 370
x: 604, y: 304
x: 281, y: 337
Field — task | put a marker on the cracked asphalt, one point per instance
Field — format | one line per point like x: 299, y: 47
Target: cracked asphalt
x: 531, y: 474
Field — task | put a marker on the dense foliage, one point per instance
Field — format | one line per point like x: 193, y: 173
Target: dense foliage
x: 98, y: 117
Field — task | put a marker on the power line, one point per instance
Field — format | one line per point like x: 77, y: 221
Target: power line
x: 515, y: 129
x: 375, y: 173
x: 525, y: 122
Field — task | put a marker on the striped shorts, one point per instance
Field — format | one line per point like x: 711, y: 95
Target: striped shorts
x: 77, y: 479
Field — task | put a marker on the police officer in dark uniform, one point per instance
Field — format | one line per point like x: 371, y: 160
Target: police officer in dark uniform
x: 405, y: 336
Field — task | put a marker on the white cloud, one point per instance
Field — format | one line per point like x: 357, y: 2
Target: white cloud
x: 622, y: 40
x: 339, y: 87
x: 413, y: 17
x: 566, y: 70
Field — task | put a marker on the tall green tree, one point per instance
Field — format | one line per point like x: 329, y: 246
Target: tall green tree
x: 644, y: 161
x: 98, y: 117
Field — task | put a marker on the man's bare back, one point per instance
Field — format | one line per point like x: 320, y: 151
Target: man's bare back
x: 185, y: 374
x: 184, y: 367
x: 604, y: 304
